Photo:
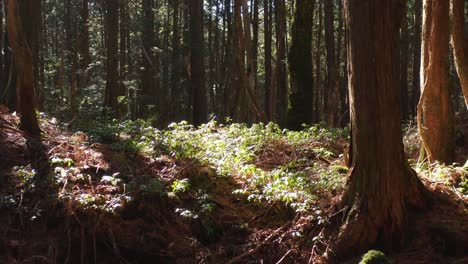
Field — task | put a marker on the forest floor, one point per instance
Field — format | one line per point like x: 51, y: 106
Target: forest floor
x: 128, y: 193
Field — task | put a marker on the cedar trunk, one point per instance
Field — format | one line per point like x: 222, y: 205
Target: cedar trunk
x: 197, y: 75
x: 149, y: 93
x: 460, y: 45
x: 416, y: 83
x: 332, y: 90
x: 281, y: 69
x: 300, y: 66
x: 435, y: 113
x: 382, y: 186
x: 318, y: 69
x: 268, y: 66
x: 404, y: 64
x: 112, y: 30
x: 24, y: 67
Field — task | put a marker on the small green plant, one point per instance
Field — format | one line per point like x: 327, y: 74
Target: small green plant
x: 463, y: 187
x: 180, y: 186
x: 374, y: 257
x: 112, y: 180
x: 26, y: 175
x: 56, y: 161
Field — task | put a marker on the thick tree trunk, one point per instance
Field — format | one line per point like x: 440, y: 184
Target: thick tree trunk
x: 229, y: 58
x: 30, y: 11
x: 197, y: 58
x: 123, y: 64
x: 255, y: 40
x: 281, y: 69
x: 84, y: 45
x: 176, y: 62
x: 332, y: 90
x: 382, y: 186
x: 112, y: 30
x: 238, y: 108
x: 268, y: 66
x: 416, y: 83
x: 300, y: 66
x: 149, y: 94
x: 404, y: 63
x: 460, y: 44
x: 318, y: 67
x: 211, y: 58
x: 343, y: 79
x: 3, y: 91
x: 20, y: 43
x: 249, y: 67
x: 435, y: 113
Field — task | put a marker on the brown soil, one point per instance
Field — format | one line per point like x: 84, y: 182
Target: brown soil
x: 45, y: 229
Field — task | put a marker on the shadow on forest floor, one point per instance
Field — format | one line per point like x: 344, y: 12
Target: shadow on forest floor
x: 103, y: 204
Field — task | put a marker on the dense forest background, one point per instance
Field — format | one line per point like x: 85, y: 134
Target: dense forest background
x: 242, y: 60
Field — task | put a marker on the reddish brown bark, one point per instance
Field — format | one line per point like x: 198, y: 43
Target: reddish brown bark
x: 112, y: 30
x: 332, y: 90
x: 197, y: 80
x: 435, y: 112
x: 382, y: 186
x: 460, y: 44
x: 416, y: 82
x: 281, y: 69
x: 24, y: 68
x: 268, y: 66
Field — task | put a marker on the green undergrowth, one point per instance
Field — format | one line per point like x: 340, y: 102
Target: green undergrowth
x: 270, y: 165
x: 454, y: 176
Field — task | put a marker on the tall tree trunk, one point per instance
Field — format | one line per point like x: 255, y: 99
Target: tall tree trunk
x: 404, y: 93
x: 249, y: 67
x: 331, y: 92
x: 31, y: 21
x: 197, y: 57
x: 44, y: 53
x: 255, y: 40
x: 33, y: 24
x: 435, y: 113
x: 211, y: 58
x: 416, y: 83
x: 239, y: 107
x: 21, y: 40
x: 3, y: 91
x: 460, y: 44
x: 112, y: 27
x: 84, y: 47
x: 267, y: 30
x: 149, y: 94
x: 123, y: 64
x: 300, y: 66
x: 229, y: 58
x: 382, y: 185
x: 318, y: 69
x: 72, y: 40
x: 343, y: 79
x: 281, y: 69
x: 176, y: 64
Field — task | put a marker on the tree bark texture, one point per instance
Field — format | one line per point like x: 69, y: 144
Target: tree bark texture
x: 20, y: 43
x: 460, y: 44
x: 435, y: 112
x: 300, y: 66
x: 382, y: 186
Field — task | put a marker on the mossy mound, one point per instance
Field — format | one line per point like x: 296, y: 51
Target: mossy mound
x: 374, y: 257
